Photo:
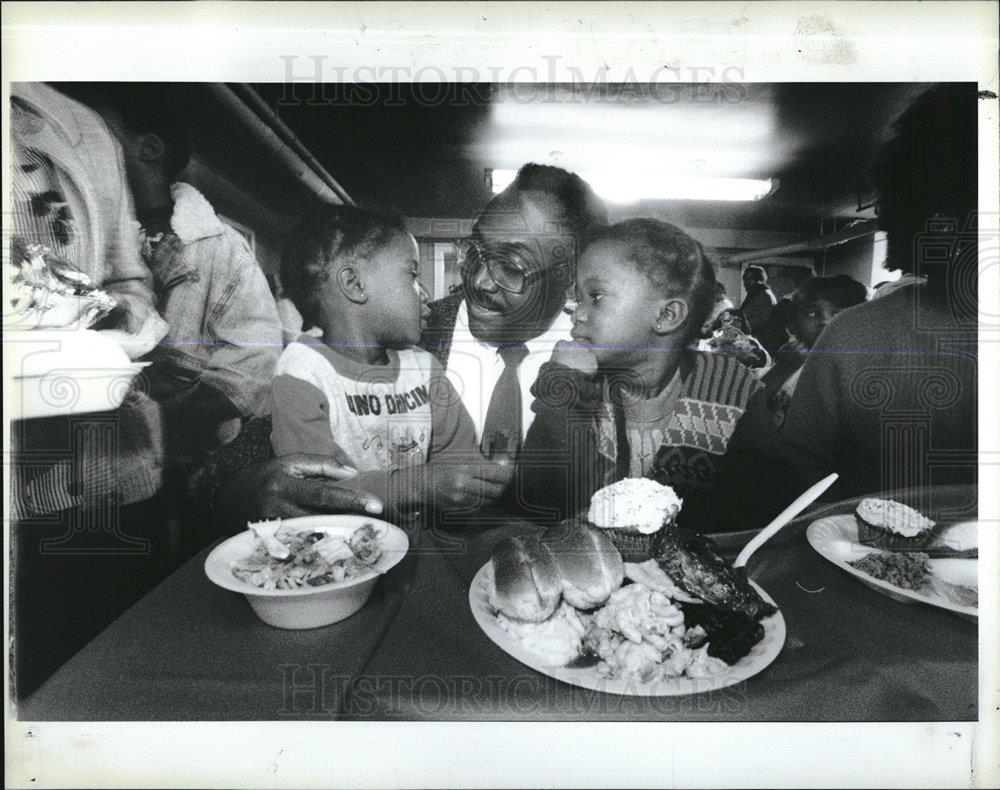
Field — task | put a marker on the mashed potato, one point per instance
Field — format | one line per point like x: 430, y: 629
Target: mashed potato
x: 557, y: 640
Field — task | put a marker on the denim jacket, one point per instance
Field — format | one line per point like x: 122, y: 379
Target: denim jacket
x: 224, y: 326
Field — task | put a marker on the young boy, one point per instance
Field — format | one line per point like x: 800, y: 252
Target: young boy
x: 629, y: 399
x: 361, y: 393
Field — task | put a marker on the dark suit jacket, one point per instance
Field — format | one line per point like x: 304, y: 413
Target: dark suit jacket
x: 436, y: 338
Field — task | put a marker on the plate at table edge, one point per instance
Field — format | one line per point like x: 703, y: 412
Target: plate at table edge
x: 760, y: 657
x: 835, y: 538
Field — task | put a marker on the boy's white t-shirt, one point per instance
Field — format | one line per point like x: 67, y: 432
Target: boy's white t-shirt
x: 371, y: 417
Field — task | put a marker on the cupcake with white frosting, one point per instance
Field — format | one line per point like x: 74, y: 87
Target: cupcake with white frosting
x: 886, y: 524
x: 632, y: 512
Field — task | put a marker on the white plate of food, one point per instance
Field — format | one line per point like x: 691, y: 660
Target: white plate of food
x: 908, y: 576
x: 56, y: 372
x: 679, y: 620
x: 307, y: 572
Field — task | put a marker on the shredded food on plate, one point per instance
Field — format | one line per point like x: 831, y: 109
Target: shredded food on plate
x: 285, y: 559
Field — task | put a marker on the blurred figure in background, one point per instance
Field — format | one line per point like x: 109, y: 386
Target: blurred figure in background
x: 774, y: 333
x: 759, y: 301
x: 888, y: 397
x: 87, y: 542
x: 722, y: 303
x: 813, y: 305
x: 69, y: 193
x: 729, y: 334
x: 215, y: 364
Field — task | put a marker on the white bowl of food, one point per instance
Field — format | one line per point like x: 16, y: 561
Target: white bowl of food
x: 307, y: 572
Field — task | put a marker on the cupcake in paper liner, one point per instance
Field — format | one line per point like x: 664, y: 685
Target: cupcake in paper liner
x: 633, y: 513
x: 886, y: 524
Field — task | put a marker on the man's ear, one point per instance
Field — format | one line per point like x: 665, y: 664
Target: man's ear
x: 150, y: 148
x: 673, y: 313
x: 349, y: 282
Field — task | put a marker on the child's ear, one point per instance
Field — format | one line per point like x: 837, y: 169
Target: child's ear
x: 350, y: 284
x: 673, y: 313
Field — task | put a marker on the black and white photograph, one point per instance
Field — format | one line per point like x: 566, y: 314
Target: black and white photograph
x: 558, y: 400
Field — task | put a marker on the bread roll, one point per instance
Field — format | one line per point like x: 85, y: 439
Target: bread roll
x: 526, y: 583
x: 588, y: 564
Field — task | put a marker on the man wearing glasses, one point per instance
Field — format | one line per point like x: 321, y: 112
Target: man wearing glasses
x: 492, y: 336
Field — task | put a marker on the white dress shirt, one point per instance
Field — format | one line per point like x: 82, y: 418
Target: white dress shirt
x: 474, y: 367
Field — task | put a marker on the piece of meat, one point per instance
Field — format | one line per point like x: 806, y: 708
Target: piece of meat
x: 693, y: 564
x: 731, y: 634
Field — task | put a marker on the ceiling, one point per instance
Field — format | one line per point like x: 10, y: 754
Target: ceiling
x: 423, y: 149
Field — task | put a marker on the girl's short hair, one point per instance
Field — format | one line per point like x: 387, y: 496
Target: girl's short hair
x: 326, y: 236
x: 672, y: 261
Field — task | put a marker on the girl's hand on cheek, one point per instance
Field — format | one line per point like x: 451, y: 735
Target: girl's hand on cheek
x: 573, y: 355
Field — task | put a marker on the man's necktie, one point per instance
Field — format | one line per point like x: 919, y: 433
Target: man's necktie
x: 502, y: 427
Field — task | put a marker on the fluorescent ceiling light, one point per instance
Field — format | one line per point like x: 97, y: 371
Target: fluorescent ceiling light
x: 721, y: 125
x: 629, y: 187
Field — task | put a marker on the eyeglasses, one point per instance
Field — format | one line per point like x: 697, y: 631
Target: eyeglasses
x: 505, y: 265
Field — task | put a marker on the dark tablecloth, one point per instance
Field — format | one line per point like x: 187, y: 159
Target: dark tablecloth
x: 190, y: 650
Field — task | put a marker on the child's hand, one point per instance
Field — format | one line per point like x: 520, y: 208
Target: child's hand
x: 570, y: 354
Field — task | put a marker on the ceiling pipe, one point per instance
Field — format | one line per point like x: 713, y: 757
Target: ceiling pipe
x: 263, y: 124
x: 817, y: 244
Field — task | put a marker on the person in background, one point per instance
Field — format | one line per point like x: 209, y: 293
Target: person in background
x: 361, y: 394
x: 759, y: 301
x: 86, y: 544
x: 773, y: 335
x: 492, y: 335
x: 215, y: 364
x: 887, y: 398
x: 814, y: 304
x: 69, y: 194
x: 730, y: 335
x: 628, y: 398
x: 721, y: 304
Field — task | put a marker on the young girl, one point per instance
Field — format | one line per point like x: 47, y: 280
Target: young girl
x: 630, y: 399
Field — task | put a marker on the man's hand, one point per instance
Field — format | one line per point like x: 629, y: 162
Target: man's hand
x: 451, y: 486
x: 303, y: 485
x: 571, y: 354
